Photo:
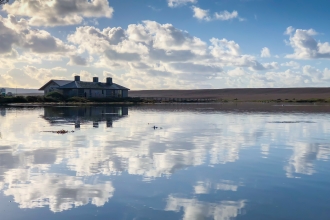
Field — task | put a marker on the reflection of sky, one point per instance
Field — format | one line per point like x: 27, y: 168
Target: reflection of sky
x: 217, y: 153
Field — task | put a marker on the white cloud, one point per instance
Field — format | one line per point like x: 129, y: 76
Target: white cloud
x: 77, y: 60
x: 59, y: 12
x: 176, y: 3
x: 151, y: 50
x: 238, y: 71
x: 224, y: 47
x: 202, y: 14
x: 225, y: 15
x: 305, y: 46
x: 84, y: 75
x: 160, y: 54
x: 265, y: 52
x: 18, y: 33
x: 30, y: 76
x: 289, y: 30
x: 291, y: 64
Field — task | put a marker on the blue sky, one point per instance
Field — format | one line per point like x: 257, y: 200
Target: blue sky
x: 167, y: 44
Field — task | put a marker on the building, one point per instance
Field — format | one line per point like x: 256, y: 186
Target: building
x: 94, y: 89
x: 2, y: 92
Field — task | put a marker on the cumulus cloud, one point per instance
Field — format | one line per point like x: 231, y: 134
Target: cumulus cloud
x: 176, y: 3
x: 30, y: 76
x: 226, y: 15
x: 265, y: 52
x: 18, y: 33
x: 152, y: 50
x: 291, y: 64
x: 202, y: 14
x: 160, y: 54
x: 77, y: 60
x: 59, y: 12
x: 305, y: 46
x: 84, y: 75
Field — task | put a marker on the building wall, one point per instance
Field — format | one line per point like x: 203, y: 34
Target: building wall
x: 125, y: 93
x: 95, y: 93
x: 71, y: 92
x: 2, y: 92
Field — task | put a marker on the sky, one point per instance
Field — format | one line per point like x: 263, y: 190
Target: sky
x: 167, y: 44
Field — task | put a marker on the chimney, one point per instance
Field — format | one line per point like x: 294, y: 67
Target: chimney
x: 95, y: 79
x: 109, y: 80
x: 77, y: 78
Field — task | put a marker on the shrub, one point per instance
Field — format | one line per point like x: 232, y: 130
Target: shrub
x: 32, y: 98
x: 114, y: 99
x: 51, y: 99
x: 77, y: 99
x: 55, y: 95
x: 19, y: 99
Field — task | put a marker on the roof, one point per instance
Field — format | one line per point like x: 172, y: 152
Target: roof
x: 91, y: 85
x: 58, y: 82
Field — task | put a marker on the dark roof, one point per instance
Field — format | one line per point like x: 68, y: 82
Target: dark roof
x: 91, y: 85
x: 58, y: 82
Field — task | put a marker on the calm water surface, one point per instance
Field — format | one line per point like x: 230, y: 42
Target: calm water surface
x: 202, y: 162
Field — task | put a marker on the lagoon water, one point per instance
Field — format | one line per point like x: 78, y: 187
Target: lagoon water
x: 207, y: 161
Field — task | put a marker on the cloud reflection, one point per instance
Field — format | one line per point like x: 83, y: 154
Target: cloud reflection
x: 131, y: 145
x: 58, y: 192
x: 303, y: 157
x: 194, y: 209
x: 204, y: 187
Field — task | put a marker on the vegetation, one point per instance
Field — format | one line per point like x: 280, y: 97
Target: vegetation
x: 77, y: 99
x: 312, y: 100
x: 55, y: 97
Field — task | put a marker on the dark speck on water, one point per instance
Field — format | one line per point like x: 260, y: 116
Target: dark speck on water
x: 215, y: 161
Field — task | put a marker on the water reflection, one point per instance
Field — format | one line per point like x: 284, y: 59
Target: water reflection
x: 303, y: 158
x: 59, y: 192
x: 78, y: 115
x: 111, y: 143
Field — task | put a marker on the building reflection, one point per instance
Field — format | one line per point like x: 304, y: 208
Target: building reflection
x: 2, y: 111
x: 80, y: 115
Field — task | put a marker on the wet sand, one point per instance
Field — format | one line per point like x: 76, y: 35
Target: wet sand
x: 246, y: 94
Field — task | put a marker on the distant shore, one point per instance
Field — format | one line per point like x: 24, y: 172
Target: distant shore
x: 285, y: 95
x: 245, y: 94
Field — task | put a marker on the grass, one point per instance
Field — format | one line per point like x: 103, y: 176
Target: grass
x: 56, y: 97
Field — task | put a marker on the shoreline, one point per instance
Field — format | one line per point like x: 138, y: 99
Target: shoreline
x: 275, y: 103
